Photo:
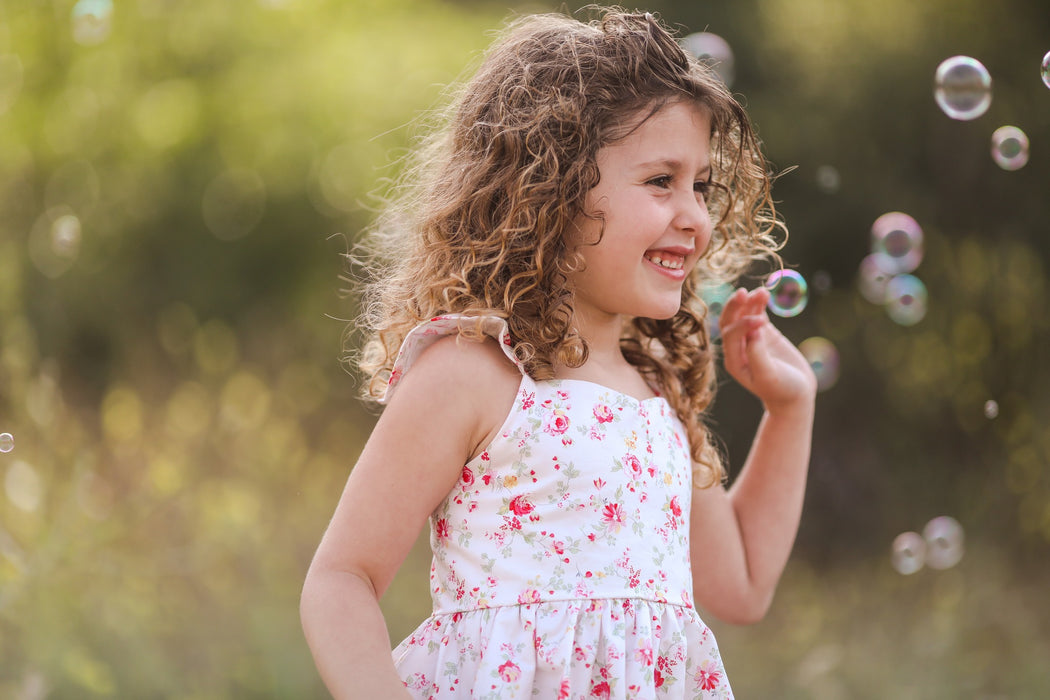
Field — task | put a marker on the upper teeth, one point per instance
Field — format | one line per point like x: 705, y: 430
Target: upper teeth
x: 672, y: 263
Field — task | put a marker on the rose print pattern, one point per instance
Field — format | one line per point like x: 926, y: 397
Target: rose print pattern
x: 561, y: 556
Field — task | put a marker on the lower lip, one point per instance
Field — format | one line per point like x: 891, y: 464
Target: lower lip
x: 675, y: 274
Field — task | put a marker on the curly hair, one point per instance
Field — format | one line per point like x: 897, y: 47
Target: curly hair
x: 477, y: 223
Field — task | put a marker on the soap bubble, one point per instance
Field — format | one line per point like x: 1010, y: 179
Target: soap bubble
x: 7, y: 442
x: 823, y: 358
x: 787, y: 293
x: 1009, y: 148
x: 715, y: 297
x: 944, y: 542
x: 962, y: 88
x: 896, y: 242
x: 908, y: 552
x: 712, y: 50
x: 991, y: 409
x: 906, y: 300
x: 1045, y: 69
x: 92, y: 21
x: 828, y: 179
x: 872, y: 280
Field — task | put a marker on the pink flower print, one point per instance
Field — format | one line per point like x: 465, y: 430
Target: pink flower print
x: 442, y: 528
x: 527, y: 399
x: 556, y: 423
x: 519, y: 505
x: 596, y: 434
x: 644, y: 653
x: 675, y: 508
x: 601, y: 690
x: 395, y: 376
x: 562, y: 395
x: 529, y: 595
x: 708, y: 675
x: 467, y: 477
x: 614, y: 516
x: 632, y: 463
x: 603, y: 413
x: 658, y: 678
x: 509, y: 671
x: 563, y: 691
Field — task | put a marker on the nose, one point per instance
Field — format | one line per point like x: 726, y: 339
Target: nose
x: 691, y: 215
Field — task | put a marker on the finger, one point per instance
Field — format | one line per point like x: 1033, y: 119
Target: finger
x: 731, y: 308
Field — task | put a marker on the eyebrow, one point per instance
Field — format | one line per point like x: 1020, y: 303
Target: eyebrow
x: 672, y: 164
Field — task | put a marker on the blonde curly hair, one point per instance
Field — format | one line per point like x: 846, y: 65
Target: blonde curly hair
x: 477, y: 223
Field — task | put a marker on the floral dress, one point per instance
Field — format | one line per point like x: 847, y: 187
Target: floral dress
x: 561, y: 557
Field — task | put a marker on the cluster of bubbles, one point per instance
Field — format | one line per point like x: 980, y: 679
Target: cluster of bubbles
x: 940, y: 546
x: 963, y: 91
x: 885, y: 274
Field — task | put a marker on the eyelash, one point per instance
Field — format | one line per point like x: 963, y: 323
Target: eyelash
x: 701, y: 186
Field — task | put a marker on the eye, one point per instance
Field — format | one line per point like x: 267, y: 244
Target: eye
x: 662, y: 181
x: 703, y: 187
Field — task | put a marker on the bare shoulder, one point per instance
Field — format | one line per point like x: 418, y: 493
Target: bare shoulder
x: 472, y: 380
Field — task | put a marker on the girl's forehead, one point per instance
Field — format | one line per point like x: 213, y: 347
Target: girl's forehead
x: 676, y: 125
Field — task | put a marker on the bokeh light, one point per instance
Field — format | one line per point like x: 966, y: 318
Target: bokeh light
x: 991, y: 409
x: 962, y: 87
x: 823, y: 358
x: 908, y: 553
x: 944, y: 542
x: 906, y: 300
x: 92, y: 21
x: 23, y: 486
x: 1010, y: 148
x: 788, y: 293
x: 714, y: 51
x: 896, y: 242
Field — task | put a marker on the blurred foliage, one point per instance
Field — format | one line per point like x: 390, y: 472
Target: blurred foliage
x: 178, y: 181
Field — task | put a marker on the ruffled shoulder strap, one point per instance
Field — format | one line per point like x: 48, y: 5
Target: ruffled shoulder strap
x: 421, y: 337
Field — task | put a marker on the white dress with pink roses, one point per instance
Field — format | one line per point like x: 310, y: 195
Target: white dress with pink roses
x: 561, y: 558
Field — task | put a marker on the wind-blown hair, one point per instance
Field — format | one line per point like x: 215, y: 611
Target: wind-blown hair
x: 478, y: 223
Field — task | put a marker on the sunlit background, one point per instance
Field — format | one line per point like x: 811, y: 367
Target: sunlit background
x: 180, y: 178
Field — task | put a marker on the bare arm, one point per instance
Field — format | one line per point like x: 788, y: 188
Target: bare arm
x: 741, y: 538
x: 443, y: 411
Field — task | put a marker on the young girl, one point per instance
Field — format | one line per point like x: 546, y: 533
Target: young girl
x: 544, y: 357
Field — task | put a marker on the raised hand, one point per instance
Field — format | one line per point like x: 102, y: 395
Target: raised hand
x: 760, y: 358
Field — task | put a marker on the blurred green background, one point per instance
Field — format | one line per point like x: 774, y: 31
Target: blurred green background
x: 178, y: 182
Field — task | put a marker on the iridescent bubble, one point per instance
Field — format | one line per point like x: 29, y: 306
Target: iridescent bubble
x: 896, y: 242
x: 906, y: 300
x: 823, y: 358
x: 1009, y: 148
x: 715, y: 297
x: 1045, y: 69
x: 962, y: 88
x: 944, y: 542
x: 872, y: 280
x: 7, y: 442
x: 712, y: 50
x: 908, y: 553
x: 92, y: 21
x: 788, y: 293
x: 991, y: 409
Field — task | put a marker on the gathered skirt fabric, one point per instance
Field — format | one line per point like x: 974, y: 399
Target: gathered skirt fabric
x: 571, y: 649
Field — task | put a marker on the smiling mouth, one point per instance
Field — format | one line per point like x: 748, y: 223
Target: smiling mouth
x: 669, y: 261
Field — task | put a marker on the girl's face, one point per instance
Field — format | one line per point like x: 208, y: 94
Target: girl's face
x: 651, y: 196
